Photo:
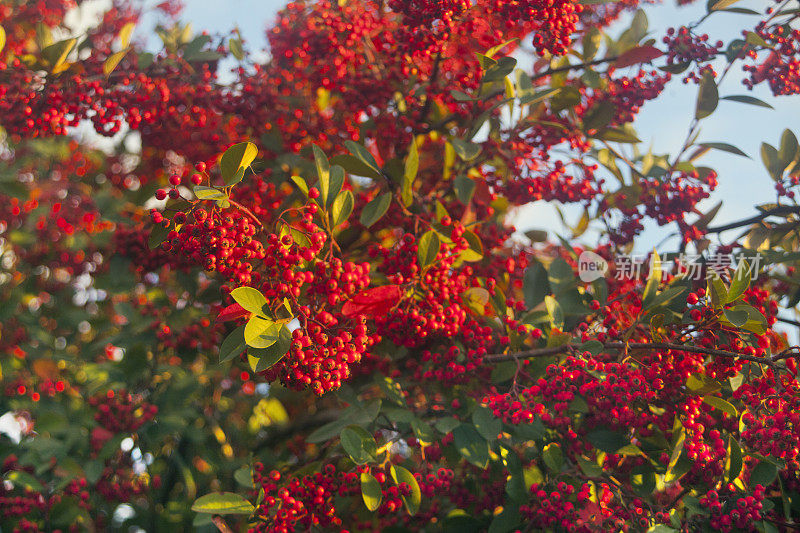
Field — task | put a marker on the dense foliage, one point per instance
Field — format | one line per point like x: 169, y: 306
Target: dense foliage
x: 288, y: 297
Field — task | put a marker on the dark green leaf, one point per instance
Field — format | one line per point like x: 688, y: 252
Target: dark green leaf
x: 724, y: 147
x: 428, y: 248
x: 471, y: 445
x: 466, y: 150
x: 236, y: 158
x: 746, y: 99
x: 375, y: 209
x: 233, y: 345
x: 607, y: 440
x: 708, y: 97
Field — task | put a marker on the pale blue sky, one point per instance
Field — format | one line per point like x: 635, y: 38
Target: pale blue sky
x: 743, y: 182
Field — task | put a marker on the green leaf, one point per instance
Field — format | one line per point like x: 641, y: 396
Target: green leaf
x: 599, y: 115
x: 393, y: 390
x: 209, y: 193
x: 233, y: 345
x: 590, y: 468
x: 342, y: 207
x: 249, y: 298
x: 471, y: 445
x: 506, y: 521
x: 764, y: 473
x: 336, y: 183
x: 428, y: 248
x: 769, y: 156
x: 653, y: 281
x: 359, y: 445
x: 733, y: 462
x: 717, y: 291
x: 23, y: 479
x: 607, y: 440
x: 475, y: 251
x: 446, y: 425
x: 375, y: 209
x: 57, y: 53
x: 466, y: 150
x: 535, y: 285
x: 740, y: 281
x: 617, y: 135
x: 413, y: 500
x: 788, y: 149
x: 235, y: 46
x: 363, y: 155
x: 244, y: 477
x: 722, y: 4
x: 708, y: 97
x: 301, y: 184
x: 553, y: 457
x: 223, y: 503
x: 261, y: 332
x: 159, y: 234
x: 357, y: 167
x: 465, y: 188
x: 323, y: 173
x: 485, y: 422
x: 502, y: 68
x: 261, y: 359
x: 236, y: 158
x: 718, y: 403
x: 756, y: 40
x: 746, y: 99
x: 423, y: 431
x: 736, y: 317
x: 410, y: 173
x: 554, y: 311
x: 724, y: 147
x: 371, y: 491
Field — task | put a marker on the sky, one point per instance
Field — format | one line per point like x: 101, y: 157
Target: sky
x: 662, y: 123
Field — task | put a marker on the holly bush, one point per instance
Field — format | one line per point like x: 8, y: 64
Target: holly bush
x: 286, y: 294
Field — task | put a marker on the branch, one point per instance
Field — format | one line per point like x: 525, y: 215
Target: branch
x: 570, y: 348
x: 246, y: 211
x: 550, y: 71
x: 780, y: 210
x: 221, y: 525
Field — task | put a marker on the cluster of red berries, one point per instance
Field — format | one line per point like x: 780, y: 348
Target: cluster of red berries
x: 685, y: 47
x: 781, y: 68
x: 301, y: 504
x: 122, y: 412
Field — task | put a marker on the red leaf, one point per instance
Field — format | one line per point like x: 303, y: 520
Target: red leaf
x: 232, y: 312
x: 372, y: 302
x: 640, y: 54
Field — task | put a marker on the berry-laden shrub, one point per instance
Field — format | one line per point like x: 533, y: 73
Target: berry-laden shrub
x: 287, y: 295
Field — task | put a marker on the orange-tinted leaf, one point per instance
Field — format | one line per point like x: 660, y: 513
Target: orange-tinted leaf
x: 373, y: 301
x: 640, y: 54
x: 232, y: 312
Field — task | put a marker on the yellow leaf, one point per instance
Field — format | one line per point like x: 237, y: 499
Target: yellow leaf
x: 112, y: 62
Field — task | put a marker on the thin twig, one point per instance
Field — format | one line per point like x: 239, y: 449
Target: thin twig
x: 570, y: 348
x: 775, y: 211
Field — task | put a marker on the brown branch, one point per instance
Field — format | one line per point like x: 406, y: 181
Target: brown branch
x: 571, y: 348
x: 246, y: 211
x: 550, y: 71
x: 777, y: 211
x: 221, y: 525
